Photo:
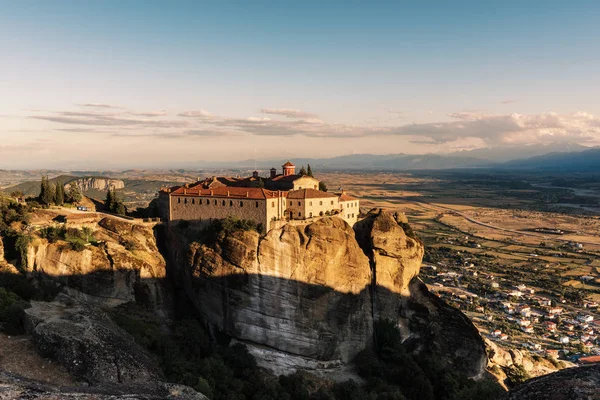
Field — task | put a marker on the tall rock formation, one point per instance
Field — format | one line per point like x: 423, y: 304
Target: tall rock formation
x: 96, y: 183
x: 315, y: 290
x: 124, y: 266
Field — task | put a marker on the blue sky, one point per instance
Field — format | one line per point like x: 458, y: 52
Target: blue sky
x: 180, y: 81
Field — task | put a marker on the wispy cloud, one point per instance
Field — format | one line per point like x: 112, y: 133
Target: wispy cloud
x: 99, y: 105
x: 149, y: 114
x: 195, y: 114
x: 288, y: 113
x: 490, y: 129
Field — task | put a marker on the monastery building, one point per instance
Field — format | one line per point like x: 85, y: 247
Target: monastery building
x: 280, y: 197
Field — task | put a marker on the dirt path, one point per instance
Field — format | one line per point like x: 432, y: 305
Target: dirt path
x: 18, y: 357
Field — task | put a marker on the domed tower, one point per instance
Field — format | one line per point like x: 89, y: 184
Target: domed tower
x: 289, y: 169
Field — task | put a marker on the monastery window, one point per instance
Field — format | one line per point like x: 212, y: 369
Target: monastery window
x: 310, y: 215
x: 299, y: 214
x: 321, y: 213
x: 331, y: 202
x: 223, y: 202
x: 241, y: 204
x: 299, y: 203
x: 352, y: 215
x: 179, y: 199
x: 230, y: 203
x: 257, y: 204
x: 215, y: 202
x: 310, y: 203
x: 273, y: 204
x: 193, y: 201
x: 184, y: 201
x: 320, y: 203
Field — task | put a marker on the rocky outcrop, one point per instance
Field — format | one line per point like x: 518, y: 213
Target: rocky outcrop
x: 13, y: 387
x: 301, y: 289
x: 95, y: 183
x: 569, y: 384
x: 87, y: 343
x: 125, y: 264
x: 506, y: 358
x: 315, y: 290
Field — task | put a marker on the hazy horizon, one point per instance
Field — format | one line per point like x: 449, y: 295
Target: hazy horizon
x: 113, y: 85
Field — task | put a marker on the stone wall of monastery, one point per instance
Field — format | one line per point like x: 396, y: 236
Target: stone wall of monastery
x: 196, y: 209
x: 349, y: 211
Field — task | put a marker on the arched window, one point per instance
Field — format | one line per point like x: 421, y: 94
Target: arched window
x: 215, y: 202
x: 257, y: 204
x: 230, y: 203
x: 299, y: 214
x: 184, y: 201
x: 223, y: 202
x: 193, y: 201
x: 179, y: 199
x: 299, y: 203
x: 241, y: 204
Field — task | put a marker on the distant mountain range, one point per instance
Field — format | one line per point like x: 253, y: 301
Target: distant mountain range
x: 557, y: 156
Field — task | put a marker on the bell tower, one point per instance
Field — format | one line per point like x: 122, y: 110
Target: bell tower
x: 288, y: 169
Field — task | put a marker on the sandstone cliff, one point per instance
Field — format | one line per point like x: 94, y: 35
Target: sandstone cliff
x: 315, y: 291
x: 125, y: 264
x: 93, y: 183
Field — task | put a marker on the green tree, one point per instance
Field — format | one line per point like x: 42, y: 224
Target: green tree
x: 46, y: 196
x: 109, y: 202
x: 74, y: 195
x: 322, y: 186
x: 60, y: 194
x: 309, y: 171
x: 302, y: 171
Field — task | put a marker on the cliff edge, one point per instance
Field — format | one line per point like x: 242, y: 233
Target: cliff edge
x: 315, y: 290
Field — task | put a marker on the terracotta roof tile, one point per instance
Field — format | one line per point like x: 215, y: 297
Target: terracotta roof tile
x: 288, y: 164
x: 308, y: 194
x: 228, y: 192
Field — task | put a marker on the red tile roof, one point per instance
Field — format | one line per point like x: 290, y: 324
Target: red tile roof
x: 288, y: 164
x: 345, y: 197
x: 308, y: 194
x: 228, y: 192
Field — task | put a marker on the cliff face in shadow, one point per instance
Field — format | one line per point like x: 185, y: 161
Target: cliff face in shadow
x: 315, y: 291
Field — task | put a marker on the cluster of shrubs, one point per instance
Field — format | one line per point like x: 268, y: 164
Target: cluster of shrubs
x: 14, y: 216
x: 219, y: 229
x: 188, y: 356
x: 76, y: 238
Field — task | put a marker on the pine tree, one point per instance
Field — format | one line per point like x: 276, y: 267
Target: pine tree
x: 309, y: 171
x: 322, y: 186
x: 60, y: 194
x: 74, y: 195
x: 109, y: 202
x: 46, y: 192
x: 302, y: 171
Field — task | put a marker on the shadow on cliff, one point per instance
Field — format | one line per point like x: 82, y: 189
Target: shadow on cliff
x: 286, y: 315
x: 319, y: 322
